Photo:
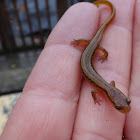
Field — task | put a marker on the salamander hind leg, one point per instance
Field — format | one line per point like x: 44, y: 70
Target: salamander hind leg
x: 94, y: 93
x: 105, y: 53
x: 80, y: 42
x: 112, y: 83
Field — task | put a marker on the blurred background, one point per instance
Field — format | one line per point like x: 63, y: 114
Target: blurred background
x: 24, y: 28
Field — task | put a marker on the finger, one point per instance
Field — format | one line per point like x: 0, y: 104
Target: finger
x: 48, y: 104
x: 133, y: 118
x: 103, y: 121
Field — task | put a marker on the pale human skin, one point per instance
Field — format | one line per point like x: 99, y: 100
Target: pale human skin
x: 56, y: 103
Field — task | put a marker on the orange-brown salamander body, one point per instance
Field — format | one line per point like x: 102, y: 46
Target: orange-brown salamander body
x: 117, y: 98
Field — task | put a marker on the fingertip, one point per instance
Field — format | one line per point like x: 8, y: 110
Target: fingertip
x: 79, y: 21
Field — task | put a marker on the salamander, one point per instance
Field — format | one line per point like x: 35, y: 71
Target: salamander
x: 115, y: 96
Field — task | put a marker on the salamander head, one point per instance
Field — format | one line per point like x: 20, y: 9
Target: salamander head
x: 124, y: 107
x: 119, y: 100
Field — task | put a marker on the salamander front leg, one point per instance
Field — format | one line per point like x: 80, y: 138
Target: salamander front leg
x: 94, y: 93
x: 85, y: 43
x: 105, y: 53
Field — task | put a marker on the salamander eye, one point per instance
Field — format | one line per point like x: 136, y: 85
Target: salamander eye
x: 128, y: 100
x: 118, y: 107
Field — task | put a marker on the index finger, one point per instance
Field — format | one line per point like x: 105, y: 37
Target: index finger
x: 48, y: 104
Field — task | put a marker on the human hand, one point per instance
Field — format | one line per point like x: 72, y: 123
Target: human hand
x: 56, y: 104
